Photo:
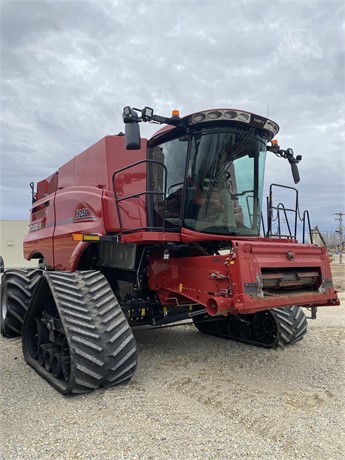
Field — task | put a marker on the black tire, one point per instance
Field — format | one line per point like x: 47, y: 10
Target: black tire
x: 292, y: 324
x: 97, y: 346
x: 17, y: 287
x: 279, y: 326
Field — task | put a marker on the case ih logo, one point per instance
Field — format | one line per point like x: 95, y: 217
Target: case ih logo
x: 258, y: 121
x: 36, y: 226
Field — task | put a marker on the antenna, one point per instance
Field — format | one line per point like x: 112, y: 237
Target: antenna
x: 268, y: 110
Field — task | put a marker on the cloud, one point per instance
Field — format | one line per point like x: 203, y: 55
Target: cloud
x: 68, y: 68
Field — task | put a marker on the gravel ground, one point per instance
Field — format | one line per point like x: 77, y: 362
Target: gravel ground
x: 193, y: 397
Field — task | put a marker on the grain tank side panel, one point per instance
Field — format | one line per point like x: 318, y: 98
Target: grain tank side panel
x: 131, y: 181
x: 85, y: 199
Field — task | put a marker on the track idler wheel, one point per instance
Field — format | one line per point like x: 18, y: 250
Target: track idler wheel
x: 265, y: 327
x: 38, y: 335
x: 49, y: 356
x: 268, y: 328
x: 17, y: 287
x: 75, y: 334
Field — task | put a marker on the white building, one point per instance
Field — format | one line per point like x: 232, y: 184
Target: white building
x: 12, y: 234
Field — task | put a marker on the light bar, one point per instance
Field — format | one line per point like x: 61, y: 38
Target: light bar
x: 235, y: 115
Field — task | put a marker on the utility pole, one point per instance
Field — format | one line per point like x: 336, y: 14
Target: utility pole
x: 340, y: 231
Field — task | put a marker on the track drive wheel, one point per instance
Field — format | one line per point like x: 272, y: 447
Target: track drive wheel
x: 17, y: 286
x: 75, y: 334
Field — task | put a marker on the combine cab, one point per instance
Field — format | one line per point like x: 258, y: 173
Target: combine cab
x: 138, y: 232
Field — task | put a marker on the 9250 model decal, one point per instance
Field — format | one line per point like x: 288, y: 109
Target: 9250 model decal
x: 81, y: 213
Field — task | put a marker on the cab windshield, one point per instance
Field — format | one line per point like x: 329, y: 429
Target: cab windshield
x: 214, y: 181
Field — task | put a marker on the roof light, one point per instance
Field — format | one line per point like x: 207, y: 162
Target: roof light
x: 198, y: 117
x: 230, y: 114
x: 271, y: 126
x: 175, y: 113
x: 214, y: 115
x: 243, y: 116
x: 236, y: 116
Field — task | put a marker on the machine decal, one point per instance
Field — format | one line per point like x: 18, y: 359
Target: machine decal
x: 36, y: 226
x: 83, y: 214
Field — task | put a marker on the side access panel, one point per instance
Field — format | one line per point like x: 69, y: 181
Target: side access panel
x: 78, y: 210
x: 41, y: 230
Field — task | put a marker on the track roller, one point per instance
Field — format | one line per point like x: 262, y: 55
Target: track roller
x: 17, y: 287
x: 75, y: 334
x: 268, y: 328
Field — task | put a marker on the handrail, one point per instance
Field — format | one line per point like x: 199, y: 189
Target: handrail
x: 137, y: 195
x: 281, y: 215
x: 306, y: 217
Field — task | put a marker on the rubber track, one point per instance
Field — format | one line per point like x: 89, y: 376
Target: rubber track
x: 289, y: 323
x: 17, y: 286
x: 101, y: 343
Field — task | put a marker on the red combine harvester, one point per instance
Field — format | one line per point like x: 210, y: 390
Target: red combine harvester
x: 138, y: 232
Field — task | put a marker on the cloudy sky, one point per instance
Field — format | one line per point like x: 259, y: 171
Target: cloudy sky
x: 69, y: 67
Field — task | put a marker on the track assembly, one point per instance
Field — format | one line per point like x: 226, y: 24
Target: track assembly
x: 17, y: 286
x: 268, y: 329
x: 75, y: 334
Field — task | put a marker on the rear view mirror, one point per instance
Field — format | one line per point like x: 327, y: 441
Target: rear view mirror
x: 295, y: 172
x: 288, y: 155
x: 132, y: 133
x: 293, y: 163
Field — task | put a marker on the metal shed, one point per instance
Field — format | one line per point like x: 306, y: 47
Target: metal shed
x: 12, y: 234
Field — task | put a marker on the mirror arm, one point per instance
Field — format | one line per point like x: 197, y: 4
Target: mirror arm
x: 288, y: 155
x: 130, y: 115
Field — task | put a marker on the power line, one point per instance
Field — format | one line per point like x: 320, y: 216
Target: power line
x: 340, y: 231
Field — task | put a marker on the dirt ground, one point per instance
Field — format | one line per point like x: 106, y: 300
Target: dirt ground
x: 193, y: 397
x: 338, y: 273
